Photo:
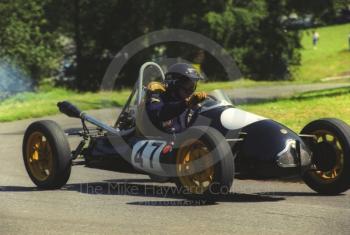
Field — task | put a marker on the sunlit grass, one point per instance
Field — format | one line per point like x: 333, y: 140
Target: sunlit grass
x: 30, y: 104
x: 43, y: 102
x: 330, y: 58
x: 294, y: 112
x: 299, y: 110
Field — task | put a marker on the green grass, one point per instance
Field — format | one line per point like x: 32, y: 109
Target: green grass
x: 42, y: 103
x: 330, y: 58
x: 296, y: 112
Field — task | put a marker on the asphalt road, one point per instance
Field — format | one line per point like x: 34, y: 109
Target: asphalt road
x: 102, y: 202
x: 262, y: 94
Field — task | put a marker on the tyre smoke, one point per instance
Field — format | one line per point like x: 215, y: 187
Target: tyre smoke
x: 13, y: 80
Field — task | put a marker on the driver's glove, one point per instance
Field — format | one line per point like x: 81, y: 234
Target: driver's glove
x: 196, y: 98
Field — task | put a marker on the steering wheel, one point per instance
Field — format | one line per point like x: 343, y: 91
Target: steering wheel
x: 192, y: 113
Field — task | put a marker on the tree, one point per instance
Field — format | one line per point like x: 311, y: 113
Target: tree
x: 323, y: 11
x: 92, y: 32
x: 25, y: 39
x: 250, y: 30
x: 256, y: 38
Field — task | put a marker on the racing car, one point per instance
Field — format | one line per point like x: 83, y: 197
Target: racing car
x: 221, y: 142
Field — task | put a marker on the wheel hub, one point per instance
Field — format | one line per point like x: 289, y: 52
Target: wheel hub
x: 195, y: 177
x: 325, y: 156
x: 39, y: 156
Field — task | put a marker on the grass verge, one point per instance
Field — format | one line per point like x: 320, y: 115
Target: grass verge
x: 294, y: 112
x: 43, y: 102
x: 297, y: 111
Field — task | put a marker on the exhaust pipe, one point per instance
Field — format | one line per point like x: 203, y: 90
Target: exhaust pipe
x: 72, y: 111
x: 98, y: 123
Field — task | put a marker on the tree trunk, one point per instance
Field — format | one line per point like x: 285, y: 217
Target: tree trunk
x: 78, y: 41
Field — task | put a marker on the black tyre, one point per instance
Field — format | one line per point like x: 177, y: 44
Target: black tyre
x: 204, y: 164
x: 331, y: 156
x: 159, y: 179
x: 47, y: 155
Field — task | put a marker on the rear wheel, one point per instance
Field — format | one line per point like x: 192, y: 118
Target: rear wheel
x: 204, y: 164
x: 331, y: 156
x: 46, y: 155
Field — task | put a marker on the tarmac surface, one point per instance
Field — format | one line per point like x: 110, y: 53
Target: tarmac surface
x: 262, y: 94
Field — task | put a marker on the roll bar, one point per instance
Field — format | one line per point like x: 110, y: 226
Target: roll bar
x: 140, y: 79
x: 72, y: 111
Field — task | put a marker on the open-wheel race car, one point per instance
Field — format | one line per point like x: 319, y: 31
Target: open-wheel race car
x: 221, y: 142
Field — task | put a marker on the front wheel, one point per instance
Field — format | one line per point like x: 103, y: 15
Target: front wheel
x: 46, y: 155
x: 331, y: 156
x: 204, y: 163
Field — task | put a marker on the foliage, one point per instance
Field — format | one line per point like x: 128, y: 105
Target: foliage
x: 323, y: 11
x: 258, y: 41
x: 250, y: 31
x: 25, y: 39
x: 84, y: 35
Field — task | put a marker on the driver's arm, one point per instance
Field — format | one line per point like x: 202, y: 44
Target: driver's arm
x: 171, y: 110
x: 161, y: 111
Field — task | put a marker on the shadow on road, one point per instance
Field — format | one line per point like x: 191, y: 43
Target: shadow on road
x: 147, y: 188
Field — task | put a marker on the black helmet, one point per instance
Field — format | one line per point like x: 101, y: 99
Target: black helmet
x: 180, y: 71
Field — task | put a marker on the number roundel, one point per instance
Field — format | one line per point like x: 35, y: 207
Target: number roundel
x: 146, y: 155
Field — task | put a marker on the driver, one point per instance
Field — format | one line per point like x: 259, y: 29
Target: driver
x: 167, y: 102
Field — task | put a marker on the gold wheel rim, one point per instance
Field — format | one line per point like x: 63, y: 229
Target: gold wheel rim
x: 39, y: 156
x: 194, y: 166
x: 333, y: 174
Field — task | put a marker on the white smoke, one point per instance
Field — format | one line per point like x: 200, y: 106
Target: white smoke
x: 12, y: 80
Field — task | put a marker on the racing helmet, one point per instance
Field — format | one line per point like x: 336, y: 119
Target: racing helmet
x: 180, y: 72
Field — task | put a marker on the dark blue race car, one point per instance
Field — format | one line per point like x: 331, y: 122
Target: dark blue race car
x: 221, y: 142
